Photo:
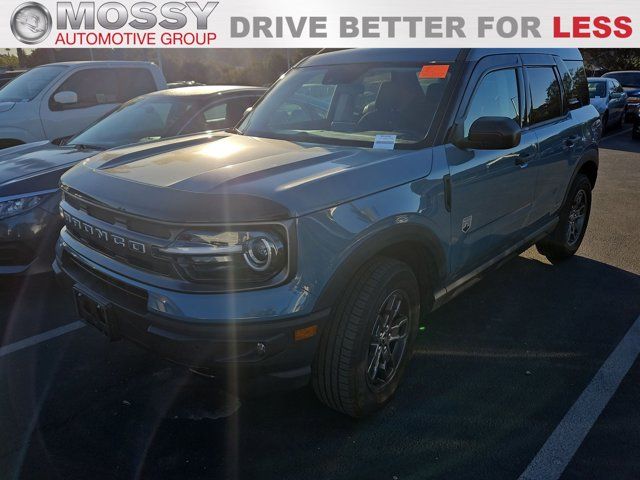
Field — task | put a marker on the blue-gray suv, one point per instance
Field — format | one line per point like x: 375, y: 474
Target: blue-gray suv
x: 363, y: 191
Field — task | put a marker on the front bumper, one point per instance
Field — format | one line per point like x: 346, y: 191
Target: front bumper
x: 219, y: 345
x: 27, y: 241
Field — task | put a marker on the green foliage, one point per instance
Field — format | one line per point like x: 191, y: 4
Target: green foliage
x: 9, y: 61
x: 611, y: 59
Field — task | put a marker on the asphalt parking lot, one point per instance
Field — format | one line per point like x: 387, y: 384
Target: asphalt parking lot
x: 495, y: 373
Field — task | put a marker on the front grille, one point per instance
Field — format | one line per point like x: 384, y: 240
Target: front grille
x: 14, y: 254
x: 112, y: 217
x: 154, y: 235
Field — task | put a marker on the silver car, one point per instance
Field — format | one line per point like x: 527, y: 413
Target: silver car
x: 610, y: 99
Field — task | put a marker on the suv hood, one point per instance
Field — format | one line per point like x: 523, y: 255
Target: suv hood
x: 224, y: 177
x: 35, y: 167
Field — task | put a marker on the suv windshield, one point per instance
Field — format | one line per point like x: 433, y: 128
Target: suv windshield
x: 626, y: 79
x: 30, y: 84
x: 141, y: 119
x: 351, y: 104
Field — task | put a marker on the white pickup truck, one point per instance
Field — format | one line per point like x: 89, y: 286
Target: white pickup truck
x: 55, y: 101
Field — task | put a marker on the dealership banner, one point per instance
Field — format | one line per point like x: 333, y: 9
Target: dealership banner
x: 328, y: 23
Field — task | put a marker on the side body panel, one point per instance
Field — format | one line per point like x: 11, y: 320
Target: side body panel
x: 491, y: 190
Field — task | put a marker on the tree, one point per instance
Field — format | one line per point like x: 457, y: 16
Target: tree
x: 611, y: 59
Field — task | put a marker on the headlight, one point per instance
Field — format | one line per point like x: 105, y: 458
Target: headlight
x: 16, y: 206
x: 233, y: 257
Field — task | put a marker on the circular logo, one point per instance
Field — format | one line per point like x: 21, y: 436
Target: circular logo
x: 31, y: 23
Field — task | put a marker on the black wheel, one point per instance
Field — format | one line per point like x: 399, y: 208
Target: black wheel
x: 566, y: 238
x: 635, y: 132
x: 365, y: 349
x: 605, y: 122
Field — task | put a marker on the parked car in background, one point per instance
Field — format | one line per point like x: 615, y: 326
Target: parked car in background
x: 8, y: 75
x: 630, y: 81
x: 609, y: 98
x: 29, y: 174
x: 365, y: 189
x: 61, y: 99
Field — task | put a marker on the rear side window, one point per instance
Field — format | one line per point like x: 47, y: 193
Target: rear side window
x: 135, y: 82
x: 546, y: 98
x: 496, y: 96
x: 221, y: 115
x: 576, y: 84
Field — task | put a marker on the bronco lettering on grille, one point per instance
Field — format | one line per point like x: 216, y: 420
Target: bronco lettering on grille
x: 103, y: 235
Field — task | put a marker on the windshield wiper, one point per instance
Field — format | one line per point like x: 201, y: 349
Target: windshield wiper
x: 86, y: 146
x: 234, y: 130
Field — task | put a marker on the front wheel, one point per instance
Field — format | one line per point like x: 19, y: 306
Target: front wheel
x: 365, y: 349
x: 566, y: 238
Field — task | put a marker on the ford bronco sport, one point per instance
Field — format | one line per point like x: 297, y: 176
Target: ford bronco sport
x: 363, y: 191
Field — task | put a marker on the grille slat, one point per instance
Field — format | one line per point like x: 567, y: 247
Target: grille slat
x: 155, y: 234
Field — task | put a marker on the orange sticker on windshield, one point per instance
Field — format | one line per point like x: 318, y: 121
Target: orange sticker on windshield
x: 434, y: 71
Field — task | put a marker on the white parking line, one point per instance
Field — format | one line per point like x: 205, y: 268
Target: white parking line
x: 41, y: 337
x: 561, y: 446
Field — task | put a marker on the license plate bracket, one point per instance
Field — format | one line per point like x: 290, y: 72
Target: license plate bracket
x: 96, y: 311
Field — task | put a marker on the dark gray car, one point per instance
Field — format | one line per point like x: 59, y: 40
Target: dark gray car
x: 610, y: 99
x: 29, y: 174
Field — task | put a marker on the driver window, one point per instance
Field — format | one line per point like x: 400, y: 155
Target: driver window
x: 496, y: 96
x: 93, y: 87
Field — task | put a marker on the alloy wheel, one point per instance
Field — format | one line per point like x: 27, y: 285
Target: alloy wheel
x: 388, y: 339
x: 577, y: 216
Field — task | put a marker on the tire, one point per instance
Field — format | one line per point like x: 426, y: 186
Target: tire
x: 605, y: 122
x: 635, y: 132
x: 566, y: 238
x: 342, y: 372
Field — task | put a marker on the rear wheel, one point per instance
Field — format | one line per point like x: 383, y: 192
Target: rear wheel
x: 566, y: 238
x: 365, y: 349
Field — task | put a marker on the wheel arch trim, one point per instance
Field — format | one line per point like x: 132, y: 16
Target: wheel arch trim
x: 373, y: 243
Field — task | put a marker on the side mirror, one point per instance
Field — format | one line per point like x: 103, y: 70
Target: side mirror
x: 574, y: 104
x: 66, y: 98
x: 492, y: 133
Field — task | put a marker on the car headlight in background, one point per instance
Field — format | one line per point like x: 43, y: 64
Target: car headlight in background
x: 230, y: 257
x: 20, y: 204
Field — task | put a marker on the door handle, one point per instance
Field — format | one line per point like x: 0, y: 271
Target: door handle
x: 522, y: 160
x: 570, y: 142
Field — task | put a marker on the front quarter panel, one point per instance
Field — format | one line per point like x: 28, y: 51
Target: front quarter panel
x: 334, y: 243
